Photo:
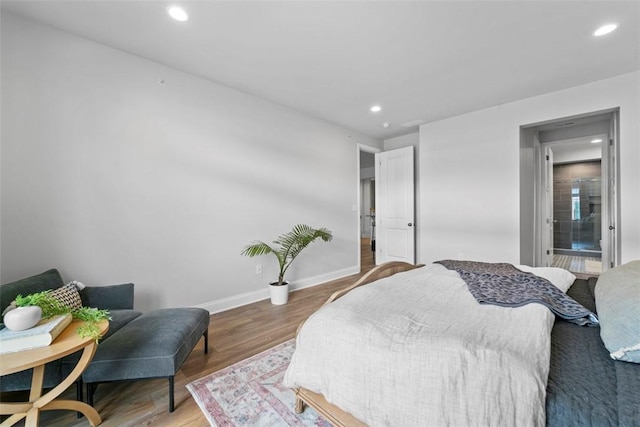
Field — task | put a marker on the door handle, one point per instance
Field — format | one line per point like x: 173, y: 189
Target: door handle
x: 611, y: 227
x: 410, y: 224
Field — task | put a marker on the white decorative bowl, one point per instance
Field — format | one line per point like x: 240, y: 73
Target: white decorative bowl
x: 22, y: 318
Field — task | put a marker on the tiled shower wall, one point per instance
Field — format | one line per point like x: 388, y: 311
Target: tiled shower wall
x: 583, y: 234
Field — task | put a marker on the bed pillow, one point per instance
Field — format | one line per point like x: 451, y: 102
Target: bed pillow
x: 618, y: 305
x: 561, y: 278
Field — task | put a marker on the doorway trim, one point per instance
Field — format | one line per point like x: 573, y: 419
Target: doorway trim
x: 367, y: 149
x: 548, y: 203
x: 611, y: 195
x: 531, y: 186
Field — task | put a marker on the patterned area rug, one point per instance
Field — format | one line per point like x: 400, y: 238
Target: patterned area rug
x: 250, y: 393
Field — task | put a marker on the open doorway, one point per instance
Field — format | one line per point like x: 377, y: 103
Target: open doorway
x: 366, y: 206
x: 574, y: 209
x: 577, y: 204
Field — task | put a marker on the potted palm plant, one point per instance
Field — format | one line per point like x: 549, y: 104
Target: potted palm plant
x: 286, y: 248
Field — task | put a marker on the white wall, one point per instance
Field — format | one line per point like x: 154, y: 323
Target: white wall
x: 112, y: 177
x: 469, y: 168
x: 403, y: 141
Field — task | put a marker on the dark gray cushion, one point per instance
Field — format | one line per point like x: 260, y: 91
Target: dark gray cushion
x: 111, y: 297
x: 119, y: 318
x: 153, y: 345
x: 50, y: 279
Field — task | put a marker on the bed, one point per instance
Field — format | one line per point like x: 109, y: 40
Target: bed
x: 413, y: 347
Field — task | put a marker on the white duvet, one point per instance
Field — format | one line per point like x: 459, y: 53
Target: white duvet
x: 416, y: 349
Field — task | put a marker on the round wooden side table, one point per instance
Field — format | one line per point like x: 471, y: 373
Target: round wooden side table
x: 66, y: 343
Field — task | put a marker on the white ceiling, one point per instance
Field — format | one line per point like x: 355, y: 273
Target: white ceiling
x: 420, y: 60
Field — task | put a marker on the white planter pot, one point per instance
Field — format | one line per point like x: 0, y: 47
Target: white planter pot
x: 279, y: 294
x: 22, y: 318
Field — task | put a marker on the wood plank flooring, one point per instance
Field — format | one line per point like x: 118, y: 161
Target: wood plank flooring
x: 234, y: 335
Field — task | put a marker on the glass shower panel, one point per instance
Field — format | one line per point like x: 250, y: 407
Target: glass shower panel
x: 577, y: 208
x: 586, y: 227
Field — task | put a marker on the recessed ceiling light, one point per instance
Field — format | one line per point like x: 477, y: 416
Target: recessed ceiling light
x: 605, y: 29
x: 376, y: 109
x: 595, y: 141
x: 178, y: 13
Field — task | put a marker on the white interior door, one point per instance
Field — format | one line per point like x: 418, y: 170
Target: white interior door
x: 395, y: 206
x: 548, y: 188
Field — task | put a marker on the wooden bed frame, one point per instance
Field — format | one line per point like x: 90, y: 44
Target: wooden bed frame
x: 305, y: 397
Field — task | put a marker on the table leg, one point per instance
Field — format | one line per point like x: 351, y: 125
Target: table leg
x: 37, y: 380
x: 47, y: 401
x: 39, y: 402
x: 73, y: 405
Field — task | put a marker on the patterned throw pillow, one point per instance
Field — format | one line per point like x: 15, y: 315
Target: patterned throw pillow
x: 68, y: 295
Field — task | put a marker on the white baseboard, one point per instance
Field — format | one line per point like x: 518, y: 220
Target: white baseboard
x: 223, y: 304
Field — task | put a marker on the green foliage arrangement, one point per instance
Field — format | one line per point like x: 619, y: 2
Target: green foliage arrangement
x: 51, y: 306
x: 289, y: 246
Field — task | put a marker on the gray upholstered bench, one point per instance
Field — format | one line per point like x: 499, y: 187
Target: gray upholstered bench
x: 153, y: 345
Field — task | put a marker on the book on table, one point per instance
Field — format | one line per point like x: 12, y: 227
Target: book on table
x: 41, y: 335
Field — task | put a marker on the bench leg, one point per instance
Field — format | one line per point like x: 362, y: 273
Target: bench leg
x: 206, y: 341
x: 91, y: 388
x: 171, y: 387
x: 79, y: 394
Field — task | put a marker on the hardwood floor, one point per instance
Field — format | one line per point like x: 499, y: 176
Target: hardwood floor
x: 234, y: 335
x: 367, y: 261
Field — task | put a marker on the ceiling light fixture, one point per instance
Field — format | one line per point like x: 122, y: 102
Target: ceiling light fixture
x: 595, y: 141
x: 177, y: 13
x: 605, y: 29
x: 376, y: 109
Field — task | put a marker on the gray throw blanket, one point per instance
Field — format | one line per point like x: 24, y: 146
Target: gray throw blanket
x: 504, y: 285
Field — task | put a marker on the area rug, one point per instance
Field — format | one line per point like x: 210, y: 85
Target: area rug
x: 250, y: 393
